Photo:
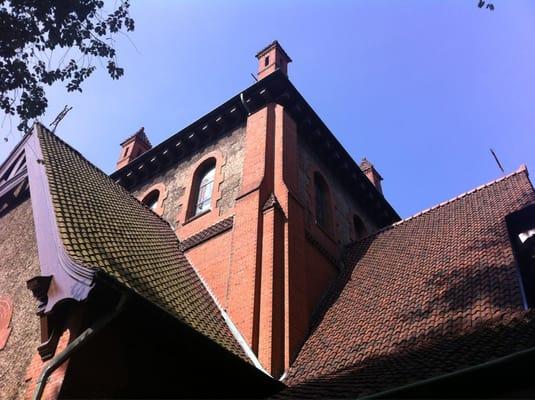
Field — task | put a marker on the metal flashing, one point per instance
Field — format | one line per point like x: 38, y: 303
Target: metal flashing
x: 69, y: 279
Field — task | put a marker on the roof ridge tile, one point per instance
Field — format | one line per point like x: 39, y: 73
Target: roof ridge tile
x: 521, y: 169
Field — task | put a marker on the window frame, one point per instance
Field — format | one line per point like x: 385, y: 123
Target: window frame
x: 323, y: 196
x: 184, y: 224
x: 208, y: 165
x: 204, y: 184
x: 153, y: 205
x: 161, y: 188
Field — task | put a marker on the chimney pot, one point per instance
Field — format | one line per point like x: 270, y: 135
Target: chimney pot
x: 371, y: 173
x: 133, y: 147
x: 272, y: 58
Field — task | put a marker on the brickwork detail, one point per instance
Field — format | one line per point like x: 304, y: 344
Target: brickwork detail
x: 162, y: 195
x: 34, y: 370
x: 258, y: 248
x: 317, y: 245
x: 246, y: 257
x: 271, y: 332
x: 211, y: 260
x: 207, y: 233
x: 6, y: 309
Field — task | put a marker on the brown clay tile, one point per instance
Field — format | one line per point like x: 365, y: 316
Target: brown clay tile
x: 423, y: 297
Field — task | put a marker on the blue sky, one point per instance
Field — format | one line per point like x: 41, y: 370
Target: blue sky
x: 423, y: 88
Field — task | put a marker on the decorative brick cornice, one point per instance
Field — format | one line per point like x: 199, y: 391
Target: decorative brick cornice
x: 208, y: 233
x: 274, y: 88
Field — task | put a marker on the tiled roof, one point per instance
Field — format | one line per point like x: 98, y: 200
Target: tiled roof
x: 103, y: 227
x: 435, y: 293
x: 208, y: 233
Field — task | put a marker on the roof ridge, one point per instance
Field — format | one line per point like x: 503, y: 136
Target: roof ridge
x: 522, y: 169
x: 232, y: 327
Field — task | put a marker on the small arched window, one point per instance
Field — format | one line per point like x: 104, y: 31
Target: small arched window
x: 323, y: 207
x: 204, y: 187
x: 360, y: 228
x: 151, y: 199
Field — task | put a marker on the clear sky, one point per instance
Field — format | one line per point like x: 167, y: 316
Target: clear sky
x: 422, y: 88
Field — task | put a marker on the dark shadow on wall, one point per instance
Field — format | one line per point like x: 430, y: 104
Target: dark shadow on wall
x: 336, y: 289
x: 11, y: 200
x: 147, y: 353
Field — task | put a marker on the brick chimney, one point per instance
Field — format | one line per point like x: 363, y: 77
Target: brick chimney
x: 371, y: 173
x: 272, y: 58
x: 133, y: 147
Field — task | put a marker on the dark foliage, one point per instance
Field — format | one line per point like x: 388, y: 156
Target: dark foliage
x: 481, y: 4
x: 30, y: 31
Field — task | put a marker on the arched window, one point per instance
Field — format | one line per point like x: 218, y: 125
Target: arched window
x: 203, y: 188
x: 323, y: 206
x: 151, y: 199
x: 360, y: 228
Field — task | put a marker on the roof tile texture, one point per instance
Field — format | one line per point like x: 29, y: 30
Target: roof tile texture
x: 208, y: 233
x: 103, y: 227
x: 427, y: 296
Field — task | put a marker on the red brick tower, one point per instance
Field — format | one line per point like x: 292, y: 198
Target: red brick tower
x: 133, y: 147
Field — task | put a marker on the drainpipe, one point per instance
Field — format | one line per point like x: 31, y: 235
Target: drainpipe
x: 244, y: 104
x: 392, y: 392
x: 60, y: 358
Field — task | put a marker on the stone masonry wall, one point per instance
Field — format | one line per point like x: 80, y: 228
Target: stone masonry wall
x: 177, y: 179
x: 18, y: 263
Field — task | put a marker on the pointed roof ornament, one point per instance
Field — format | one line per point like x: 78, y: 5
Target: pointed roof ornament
x: 371, y: 173
x: 271, y: 202
x: 140, y: 135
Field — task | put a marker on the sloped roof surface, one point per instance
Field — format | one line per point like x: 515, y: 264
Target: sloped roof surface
x: 104, y: 228
x: 423, y: 297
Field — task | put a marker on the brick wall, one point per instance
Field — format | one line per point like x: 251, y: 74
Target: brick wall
x: 212, y: 260
x: 55, y: 380
x: 273, y: 267
x: 344, y: 207
x: 323, y: 273
x: 18, y: 263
